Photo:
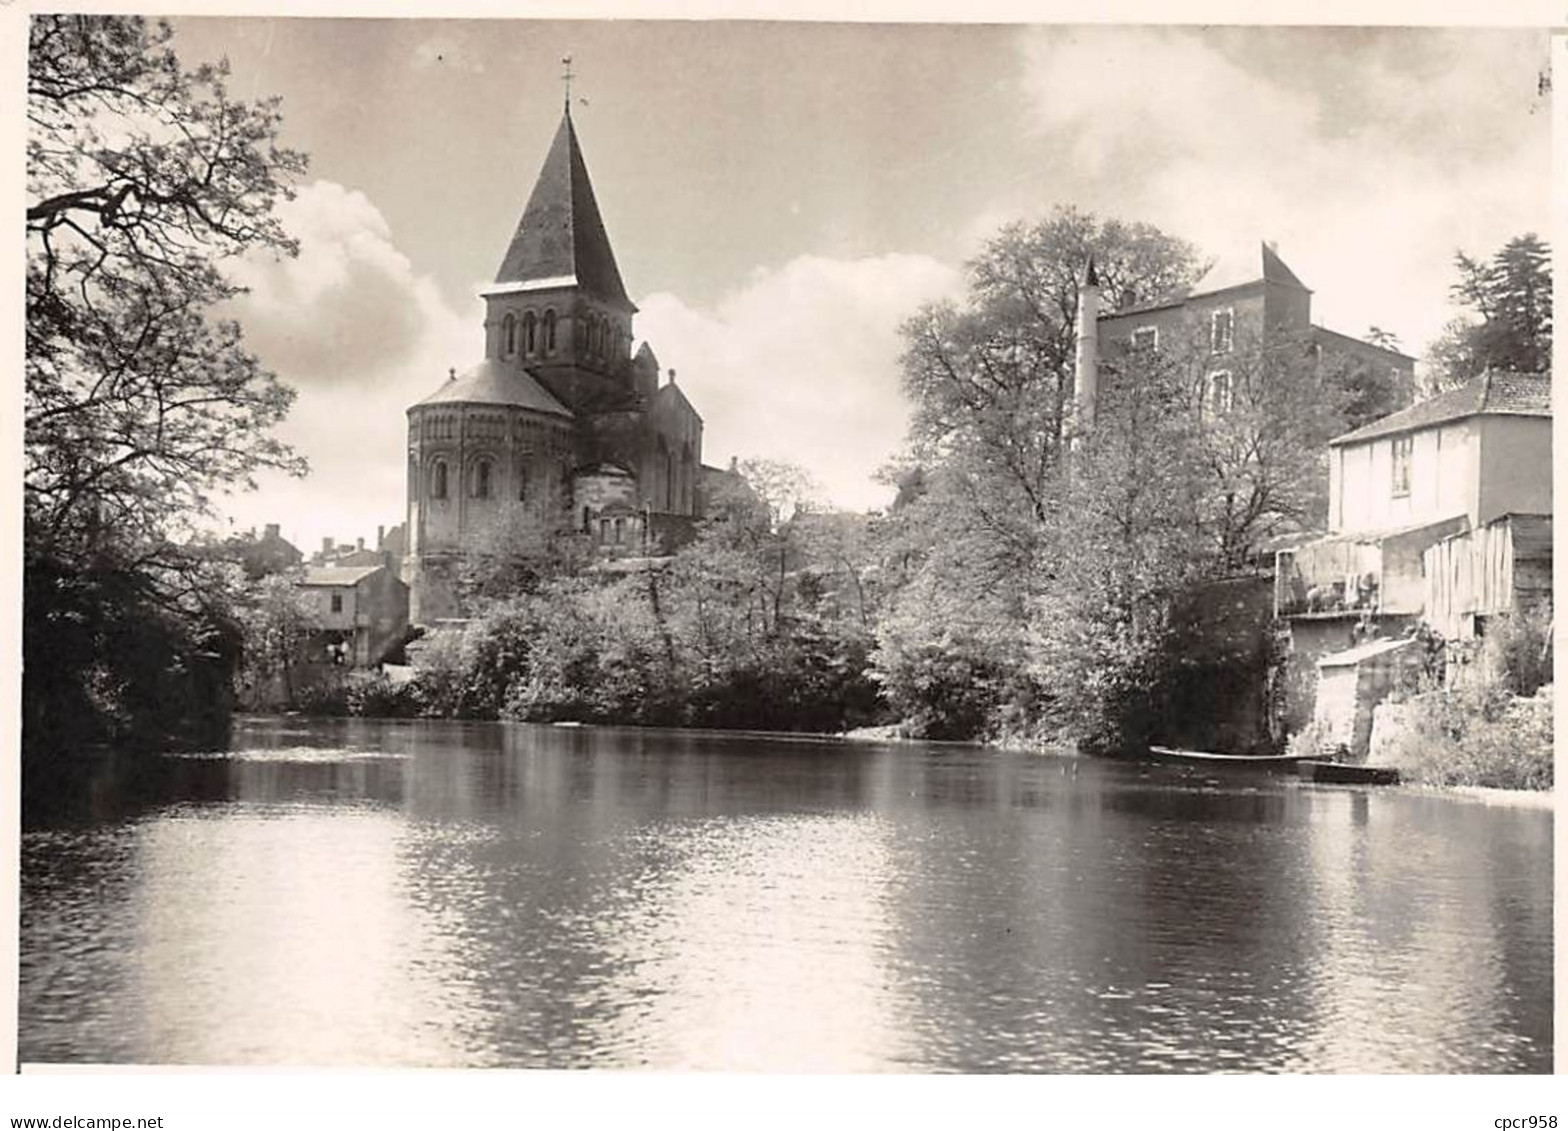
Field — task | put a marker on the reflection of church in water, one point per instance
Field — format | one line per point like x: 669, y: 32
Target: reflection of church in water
x: 561, y: 425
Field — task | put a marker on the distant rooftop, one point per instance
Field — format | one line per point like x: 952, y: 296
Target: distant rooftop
x: 346, y: 576
x: 1234, y: 269
x: 1495, y: 392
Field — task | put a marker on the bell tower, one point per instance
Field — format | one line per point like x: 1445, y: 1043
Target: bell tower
x: 558, y: 307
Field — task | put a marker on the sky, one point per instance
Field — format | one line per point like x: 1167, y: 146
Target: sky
x: 781, y: 197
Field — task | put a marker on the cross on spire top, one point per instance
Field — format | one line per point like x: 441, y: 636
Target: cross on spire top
x: 566, y: 78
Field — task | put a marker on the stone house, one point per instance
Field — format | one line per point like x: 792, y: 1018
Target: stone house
x: 362, y: 610
x: 1234, y: 307
x: 562, y: 428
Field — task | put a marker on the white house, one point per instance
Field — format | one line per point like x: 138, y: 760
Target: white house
x: 1440, y: 513
x: 1443, y: 467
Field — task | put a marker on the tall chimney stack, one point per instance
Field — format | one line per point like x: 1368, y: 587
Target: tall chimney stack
x: 1086, y: 356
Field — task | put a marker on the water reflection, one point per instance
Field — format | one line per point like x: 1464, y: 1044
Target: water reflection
x: 430, y: 893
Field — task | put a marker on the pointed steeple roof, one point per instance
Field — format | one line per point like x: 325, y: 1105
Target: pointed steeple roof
x: 561, y: 241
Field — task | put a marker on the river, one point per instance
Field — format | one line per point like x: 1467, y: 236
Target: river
x: 449, y: 894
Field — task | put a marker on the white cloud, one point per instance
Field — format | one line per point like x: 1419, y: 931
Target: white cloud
x: 1369, y: 157
x: 361, y: 336
x: 801, y: 364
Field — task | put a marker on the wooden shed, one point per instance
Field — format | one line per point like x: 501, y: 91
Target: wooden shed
x: 1502, y: 566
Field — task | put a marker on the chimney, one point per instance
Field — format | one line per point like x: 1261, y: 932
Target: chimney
x: 271, y: 532
x: 381, y: 536
x: 326, y: 546
x: 359, y: 543
x: 1086, y: 356
x: 672, y: 376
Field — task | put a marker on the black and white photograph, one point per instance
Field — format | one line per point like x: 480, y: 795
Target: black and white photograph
x: 772, y: 547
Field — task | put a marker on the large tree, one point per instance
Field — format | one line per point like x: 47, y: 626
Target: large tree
x: 990, y: 379
x: 143, y: 178
x: 1507, y: 315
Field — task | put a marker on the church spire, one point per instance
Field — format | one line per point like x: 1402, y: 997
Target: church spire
x: 560, y: 240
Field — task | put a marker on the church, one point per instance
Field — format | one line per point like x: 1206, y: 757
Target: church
x: 561, y: 427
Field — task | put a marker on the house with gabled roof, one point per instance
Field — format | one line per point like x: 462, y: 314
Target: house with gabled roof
x: 1439, y: 513
x: 361, y: 613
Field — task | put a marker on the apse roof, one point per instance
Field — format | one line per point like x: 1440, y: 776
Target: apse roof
x: 491, y: 382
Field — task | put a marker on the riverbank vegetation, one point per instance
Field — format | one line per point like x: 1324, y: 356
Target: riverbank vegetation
x: 143, y: 178
x: 1491, y: 725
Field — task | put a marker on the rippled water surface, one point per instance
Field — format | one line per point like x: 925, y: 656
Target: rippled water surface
x: 451, y: 894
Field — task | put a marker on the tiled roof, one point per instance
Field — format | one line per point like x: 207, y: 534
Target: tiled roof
x: 1226, y: 273
x: 338, y: 575
x: 491, y: 382
x: 1492, y: 393
x: 560, y: 239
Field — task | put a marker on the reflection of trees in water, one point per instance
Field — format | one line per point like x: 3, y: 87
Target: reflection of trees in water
x: 1412, y: 971
x: 76, y: 926
x: 1071, y: 917
x: 543, y: 849
x: 563, y: 896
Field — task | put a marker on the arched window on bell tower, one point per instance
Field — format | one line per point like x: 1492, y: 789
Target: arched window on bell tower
x: 549, y: 332
x: 530, y: 334
x: 508, y: 336
x: 438, y: 479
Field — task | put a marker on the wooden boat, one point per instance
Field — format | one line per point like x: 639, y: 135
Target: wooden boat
x: 1257, y: 761
x: 1340, y: 773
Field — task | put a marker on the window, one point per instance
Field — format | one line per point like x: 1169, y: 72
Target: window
x: 1222, y: 331
x: 1221, y: 393
x: 438, y: 479
x: 1146, y: 338
x: 620, y: 528
x: 508, y: 336
x: 337, y: 602
x: 1400, y: 464
x: 549, y: 331
x: 587, y: 520
x: 481, y: 481
x: 530, y: 333
x: 522, y: 485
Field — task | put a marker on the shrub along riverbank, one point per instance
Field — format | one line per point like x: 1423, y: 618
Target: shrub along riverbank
x: 1491, y: 726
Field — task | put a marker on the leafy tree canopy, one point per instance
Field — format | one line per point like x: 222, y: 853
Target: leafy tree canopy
x: 142, y: 178
x: 1507, y: 319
